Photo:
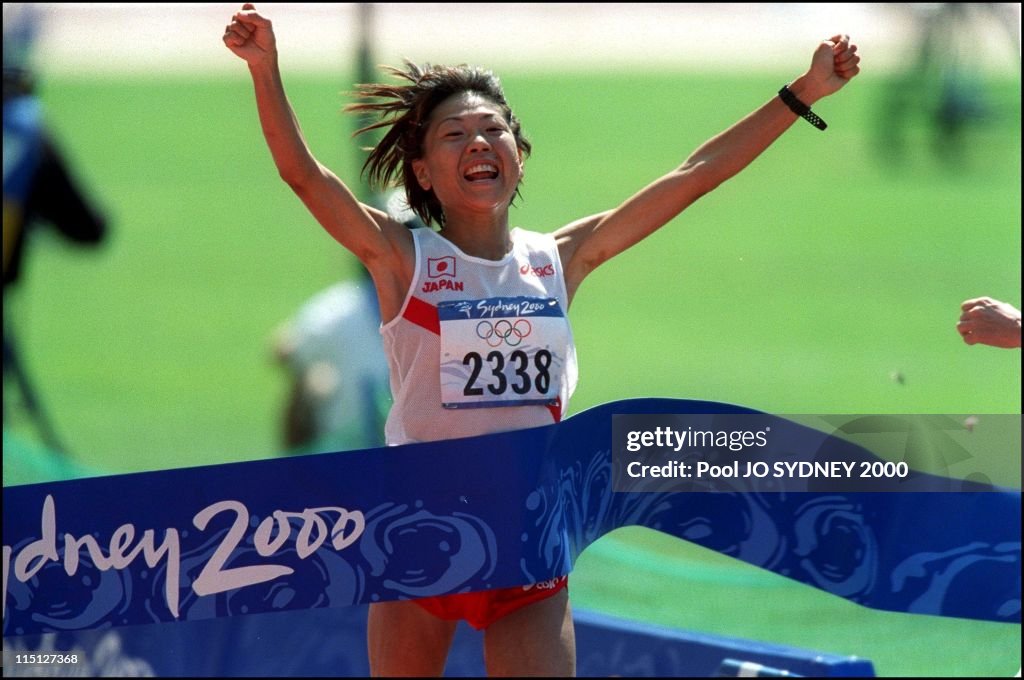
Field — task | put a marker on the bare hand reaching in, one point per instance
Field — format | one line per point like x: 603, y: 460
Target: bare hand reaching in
x: 989, y: 322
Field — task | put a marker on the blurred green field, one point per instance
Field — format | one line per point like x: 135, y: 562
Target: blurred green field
x: 801, y: 286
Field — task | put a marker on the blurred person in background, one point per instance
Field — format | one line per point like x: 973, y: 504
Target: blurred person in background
x: 338, y: 377
x: 989, y: 322
x: 453, y: 142
x: 39, y: 188
x: 339, y: 391
x: 944, y: 80
x: 39, y: 191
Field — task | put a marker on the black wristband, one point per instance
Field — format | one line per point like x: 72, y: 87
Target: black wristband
x: 800, y: 109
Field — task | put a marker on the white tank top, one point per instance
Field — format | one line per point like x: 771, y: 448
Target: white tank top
x: 480, y: 345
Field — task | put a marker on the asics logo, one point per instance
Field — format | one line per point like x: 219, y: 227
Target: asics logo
x: 546, y: 585
x: 546, y: 270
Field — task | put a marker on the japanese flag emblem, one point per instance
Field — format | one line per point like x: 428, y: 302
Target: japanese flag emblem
x: 441, y: 266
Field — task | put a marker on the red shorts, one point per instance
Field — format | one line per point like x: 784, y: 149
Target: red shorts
x: 483, y: 608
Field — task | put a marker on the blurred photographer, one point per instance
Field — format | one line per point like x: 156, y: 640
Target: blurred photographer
x: 39, y: 190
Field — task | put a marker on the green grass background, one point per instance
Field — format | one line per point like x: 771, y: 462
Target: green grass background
x: 801, y: 286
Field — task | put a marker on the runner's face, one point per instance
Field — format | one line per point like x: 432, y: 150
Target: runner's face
x: 470, y: 159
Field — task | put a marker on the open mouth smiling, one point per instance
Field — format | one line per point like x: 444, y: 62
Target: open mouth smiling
x: 481, y: 172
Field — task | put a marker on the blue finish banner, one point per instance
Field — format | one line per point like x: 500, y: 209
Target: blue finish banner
x: 462, y: 515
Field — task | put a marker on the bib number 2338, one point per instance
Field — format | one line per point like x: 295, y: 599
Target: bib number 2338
x: 501, y: 351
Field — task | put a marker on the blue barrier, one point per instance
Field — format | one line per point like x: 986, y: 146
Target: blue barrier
x: 611, y: 646
x: 332, y: 643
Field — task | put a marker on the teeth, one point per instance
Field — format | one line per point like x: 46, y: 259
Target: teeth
x: 481, y: 168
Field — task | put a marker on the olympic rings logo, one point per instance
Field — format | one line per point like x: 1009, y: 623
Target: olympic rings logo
x: 512, y: 334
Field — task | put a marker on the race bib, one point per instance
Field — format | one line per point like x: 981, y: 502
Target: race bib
x: 502, y: 351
